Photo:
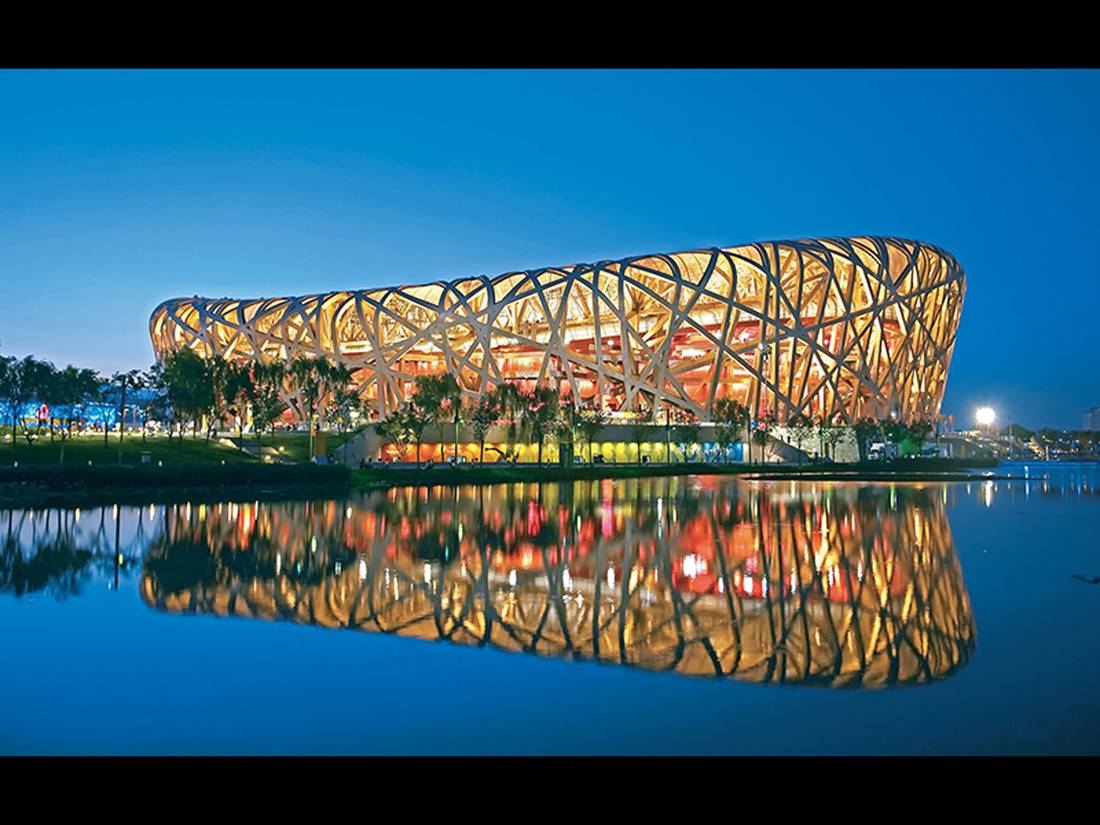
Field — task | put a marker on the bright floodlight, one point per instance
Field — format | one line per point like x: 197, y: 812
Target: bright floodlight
x: 985, y: 416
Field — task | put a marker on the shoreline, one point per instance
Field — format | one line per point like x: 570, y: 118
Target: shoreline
x: 82, y: 487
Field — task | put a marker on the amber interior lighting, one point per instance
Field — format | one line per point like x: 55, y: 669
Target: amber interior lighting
x: 839, y: 327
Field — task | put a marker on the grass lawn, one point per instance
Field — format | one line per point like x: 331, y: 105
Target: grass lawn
x: 84, y: 448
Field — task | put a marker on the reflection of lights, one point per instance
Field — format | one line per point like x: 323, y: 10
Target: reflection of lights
x: 362, y: 569
x: 694, y: 565
x: 512, y: 577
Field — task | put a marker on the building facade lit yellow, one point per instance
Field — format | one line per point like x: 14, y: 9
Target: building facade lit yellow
x: 839, y: 328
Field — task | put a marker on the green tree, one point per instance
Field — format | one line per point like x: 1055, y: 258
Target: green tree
x: 125, y: 381
x: 865, y: 429
x: 730, y: 417
x: 393, y: 429
x: 511, y: 405
x: 427, y: 399
x: 543, y: 415
x: 638, y: 434
x: 589, y: 423
x: 9, y: 391
x: 21, y: 382
x: 346, y: 409
x: 482, y: 419
x: 802, y: 429
x: 829, y: 433
x: 686, y: 433
x: 314, y: 382
x: 268, y: 399
x: 415, y: 421
x: 450, y: 392
x: 763, y: 432
x: 235, y: 387
x: 189, y: 384
x: 68, y: 391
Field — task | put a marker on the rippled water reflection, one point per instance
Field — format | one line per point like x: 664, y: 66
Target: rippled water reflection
x: 839, y: 585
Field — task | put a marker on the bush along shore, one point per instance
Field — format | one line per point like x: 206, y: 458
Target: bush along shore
x: 139, y: 484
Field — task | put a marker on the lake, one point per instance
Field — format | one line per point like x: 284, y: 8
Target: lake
x: 691, y: 615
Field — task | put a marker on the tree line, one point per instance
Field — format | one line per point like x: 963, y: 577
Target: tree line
x: 188, y: 391
x: 541, y: 414
x: 183, y: 391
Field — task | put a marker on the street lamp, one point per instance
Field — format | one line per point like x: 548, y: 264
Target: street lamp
x: 985, y: 416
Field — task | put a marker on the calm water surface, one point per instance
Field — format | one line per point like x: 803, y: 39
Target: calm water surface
x: 689, y: 615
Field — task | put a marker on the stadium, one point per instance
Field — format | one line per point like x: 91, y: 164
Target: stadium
x: 836, y: 328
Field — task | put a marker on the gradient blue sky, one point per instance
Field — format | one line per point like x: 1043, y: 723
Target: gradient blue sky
x: 119, y: 189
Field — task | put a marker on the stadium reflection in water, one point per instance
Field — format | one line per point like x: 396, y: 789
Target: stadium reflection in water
x: 832, y: 585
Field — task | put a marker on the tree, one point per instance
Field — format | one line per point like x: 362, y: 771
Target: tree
x: 21, y: 381
x: 439, y: 399
x: 129, y: 380
x: 415, y: 421
x: 483, y: 417
x: 450, y: 391
x: 686, y: 433
x: 268, y: 402
x: 346, y: 408
x: 762, y: 434
x: 865, y: 429
x: 305, y: 377
x: 427, y: 400
x: 801, y: 428
x: 394, y: 430
x: 7, y: 388
x: 829, y: 433
x: 154, y: 404
x: 66, y: 393
x: 638, y: 434
x: 235, y: 388
x: 919, y: 429
x: 729, y: 417
x: 543, y: 415
x: 589, y: 423
x: 893, y: 428
x: 189, y: 384
x: 511, y: 404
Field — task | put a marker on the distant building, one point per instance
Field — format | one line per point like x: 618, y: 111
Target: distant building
x: 1092, y: 419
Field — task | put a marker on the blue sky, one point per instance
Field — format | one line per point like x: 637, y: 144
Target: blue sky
x: 119, y: 189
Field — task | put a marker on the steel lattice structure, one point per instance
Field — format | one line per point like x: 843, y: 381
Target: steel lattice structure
x: 838, y: 327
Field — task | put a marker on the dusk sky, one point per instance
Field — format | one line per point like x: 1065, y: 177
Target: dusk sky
x: 120, y: 189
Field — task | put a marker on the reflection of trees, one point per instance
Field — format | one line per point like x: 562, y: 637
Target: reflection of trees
x: 838, y: 586
x: 50, y: 551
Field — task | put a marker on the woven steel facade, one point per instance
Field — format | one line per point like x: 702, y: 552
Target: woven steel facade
x: 841, y: 327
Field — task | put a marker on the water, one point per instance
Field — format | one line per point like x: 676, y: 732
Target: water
x: 690, y: 615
